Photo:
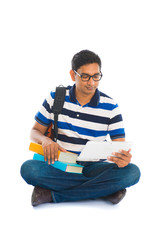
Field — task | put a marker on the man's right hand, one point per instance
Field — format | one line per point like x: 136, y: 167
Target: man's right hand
x: 50, y: 149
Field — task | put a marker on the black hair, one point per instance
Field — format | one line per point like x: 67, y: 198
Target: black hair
x: 84, y: 57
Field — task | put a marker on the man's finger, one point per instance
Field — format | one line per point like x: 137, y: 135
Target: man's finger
x: 120, y: 162
x: 61, y: 149
x: 48, y: 156
x: 127, y: 153
x: 45, y: 154
x: 52, y: 156
x: 120, y: 156
x: 56, y: 153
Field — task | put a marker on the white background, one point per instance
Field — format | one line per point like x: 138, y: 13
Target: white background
x: 37, y: 42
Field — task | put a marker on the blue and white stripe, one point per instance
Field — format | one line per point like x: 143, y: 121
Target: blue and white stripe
x: 77, y: 124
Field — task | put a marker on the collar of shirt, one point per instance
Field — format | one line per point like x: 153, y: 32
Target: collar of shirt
x: 94, y: 101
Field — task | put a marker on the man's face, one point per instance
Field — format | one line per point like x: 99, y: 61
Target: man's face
x: 89, y: 87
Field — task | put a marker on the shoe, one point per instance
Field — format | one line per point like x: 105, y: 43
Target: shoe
x: 40, y: 195
x: 115, y: 198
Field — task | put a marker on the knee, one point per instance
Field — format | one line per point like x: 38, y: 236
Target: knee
x: 27, y: 170
x: 134, y: 173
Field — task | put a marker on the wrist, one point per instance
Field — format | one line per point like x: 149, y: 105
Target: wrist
x: 44, y: 139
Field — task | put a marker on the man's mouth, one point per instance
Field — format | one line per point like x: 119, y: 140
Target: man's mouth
x: 90, y: 88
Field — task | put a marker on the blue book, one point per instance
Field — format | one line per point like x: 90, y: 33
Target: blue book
x: 66, y: 167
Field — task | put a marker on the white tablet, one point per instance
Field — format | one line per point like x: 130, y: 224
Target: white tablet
x: 96, y: 150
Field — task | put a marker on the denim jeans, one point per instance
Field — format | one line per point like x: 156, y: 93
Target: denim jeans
x: 97, y: 180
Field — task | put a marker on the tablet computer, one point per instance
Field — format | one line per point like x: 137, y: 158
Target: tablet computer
x: 100, y: 150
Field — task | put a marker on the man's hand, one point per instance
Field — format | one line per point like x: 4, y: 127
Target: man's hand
x: 122, y: 159
x: 50, y: 149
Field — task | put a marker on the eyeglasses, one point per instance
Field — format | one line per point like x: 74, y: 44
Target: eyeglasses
x: 86, y: 77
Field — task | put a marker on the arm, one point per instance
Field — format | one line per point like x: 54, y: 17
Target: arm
x: 123, y: 158
x: 50, y: 148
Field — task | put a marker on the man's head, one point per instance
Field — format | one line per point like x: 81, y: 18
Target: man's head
x: 86, y: 72
x: 85, y: 57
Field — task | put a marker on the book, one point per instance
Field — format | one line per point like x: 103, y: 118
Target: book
x: 67, y: 157
x: 66, y: 167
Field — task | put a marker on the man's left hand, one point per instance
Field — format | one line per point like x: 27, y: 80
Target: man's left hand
x: 122, y: 159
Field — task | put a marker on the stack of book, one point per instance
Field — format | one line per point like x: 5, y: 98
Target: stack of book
x: 66, y: 160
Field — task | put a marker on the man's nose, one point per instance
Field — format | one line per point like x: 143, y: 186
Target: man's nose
x: 91, y: 81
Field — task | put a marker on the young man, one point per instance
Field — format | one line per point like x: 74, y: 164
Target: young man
x: 87, y: 114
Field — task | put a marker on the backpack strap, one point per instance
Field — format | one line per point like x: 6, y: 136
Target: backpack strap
x: 57, y: 107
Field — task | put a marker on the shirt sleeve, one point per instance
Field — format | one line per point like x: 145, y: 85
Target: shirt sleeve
x: 45, y: 115
x: 116, y: 127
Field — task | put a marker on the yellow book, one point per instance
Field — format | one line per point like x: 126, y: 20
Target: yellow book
x: 37, y: 148
x: 62, y: 156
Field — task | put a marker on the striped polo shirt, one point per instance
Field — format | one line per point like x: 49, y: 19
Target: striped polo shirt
x: 78, y: 124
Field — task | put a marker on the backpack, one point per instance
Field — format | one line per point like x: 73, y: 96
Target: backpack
x: 59, y: 99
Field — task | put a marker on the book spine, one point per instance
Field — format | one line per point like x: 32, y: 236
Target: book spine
x: 35, y: 147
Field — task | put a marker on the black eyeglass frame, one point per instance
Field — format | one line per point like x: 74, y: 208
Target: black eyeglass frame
x: 81, y: 75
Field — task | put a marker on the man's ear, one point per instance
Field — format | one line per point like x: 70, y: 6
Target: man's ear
x: 72, y: 75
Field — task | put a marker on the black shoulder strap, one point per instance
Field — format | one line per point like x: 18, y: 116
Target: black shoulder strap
x: 57, y: 106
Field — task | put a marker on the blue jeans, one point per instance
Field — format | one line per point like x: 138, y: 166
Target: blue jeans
x: 98, y: 180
